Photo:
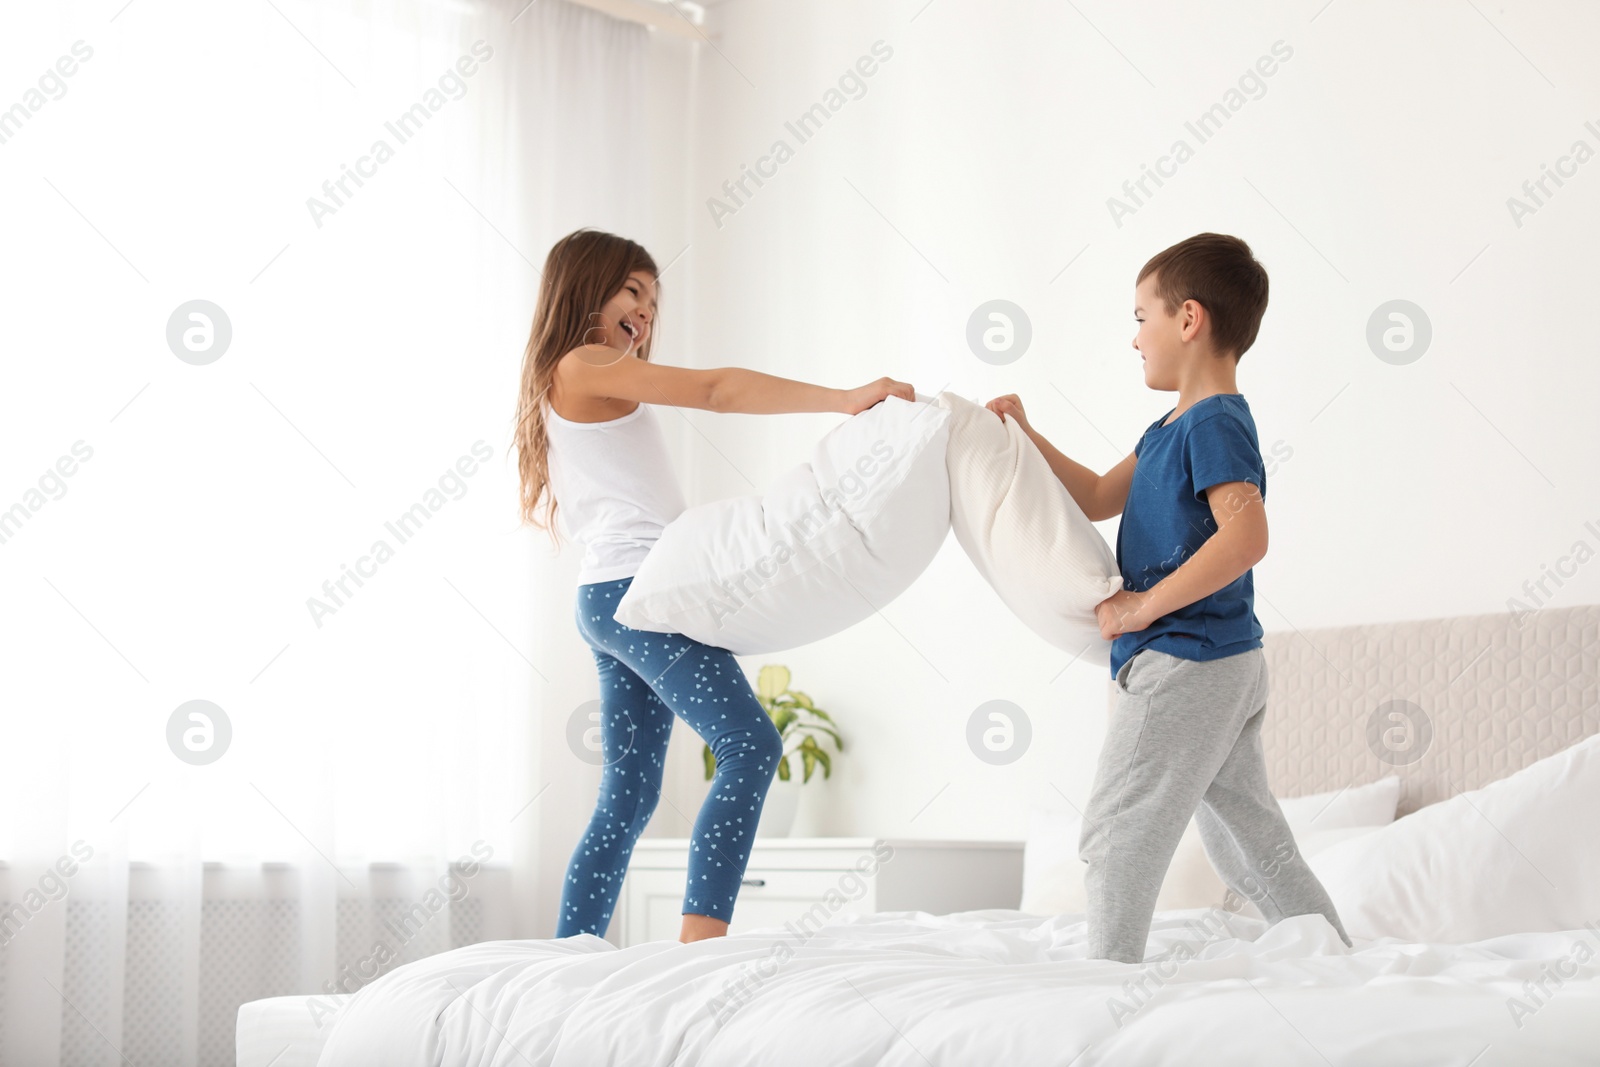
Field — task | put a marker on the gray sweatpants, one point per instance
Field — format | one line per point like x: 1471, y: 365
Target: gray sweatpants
x: 1185, y: 739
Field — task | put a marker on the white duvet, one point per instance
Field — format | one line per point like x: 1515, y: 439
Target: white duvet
x: 984, y: 988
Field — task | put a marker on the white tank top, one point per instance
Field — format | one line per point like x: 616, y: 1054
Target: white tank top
x: 614, y: 488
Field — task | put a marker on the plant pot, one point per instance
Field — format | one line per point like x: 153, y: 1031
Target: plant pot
x: 778, y: 811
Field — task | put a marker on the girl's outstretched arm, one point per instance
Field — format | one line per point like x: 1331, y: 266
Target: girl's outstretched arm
x: 599, y: 372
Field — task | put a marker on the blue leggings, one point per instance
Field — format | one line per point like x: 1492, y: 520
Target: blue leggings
x: 644, y: 679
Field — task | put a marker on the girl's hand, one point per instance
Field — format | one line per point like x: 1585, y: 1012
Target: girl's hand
x: 1124, y: 612
x: 1011, y: 405
x: 859, y: 400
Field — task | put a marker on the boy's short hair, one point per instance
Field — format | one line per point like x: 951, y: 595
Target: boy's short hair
x: 1221, y: 275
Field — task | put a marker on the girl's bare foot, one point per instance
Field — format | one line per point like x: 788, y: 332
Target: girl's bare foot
x: 700, y: 927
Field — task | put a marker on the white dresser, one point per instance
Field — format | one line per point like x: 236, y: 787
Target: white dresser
x: 811, y: 879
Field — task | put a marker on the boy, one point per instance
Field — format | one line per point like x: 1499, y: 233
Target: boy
x: 1191, y: 677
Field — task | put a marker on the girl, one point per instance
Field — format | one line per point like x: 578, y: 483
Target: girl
x: 588, y: 444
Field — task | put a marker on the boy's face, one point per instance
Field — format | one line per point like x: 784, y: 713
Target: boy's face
x: 1160, y: 337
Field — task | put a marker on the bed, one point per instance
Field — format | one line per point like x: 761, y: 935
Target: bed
x: 1449, y: 705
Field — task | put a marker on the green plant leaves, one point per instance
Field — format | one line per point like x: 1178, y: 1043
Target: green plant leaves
x: 812, y: 754
x: 794, y: 715
x: 772, y: 681
x: 828, y: 730
x: 783, y: 719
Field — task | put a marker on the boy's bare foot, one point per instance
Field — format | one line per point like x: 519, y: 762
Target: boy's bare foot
x: 700, y: 927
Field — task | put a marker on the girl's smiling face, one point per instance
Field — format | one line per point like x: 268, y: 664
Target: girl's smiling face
x: 624, y: 322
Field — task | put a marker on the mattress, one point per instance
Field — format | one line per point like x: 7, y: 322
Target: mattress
x: 913, y: 989
x: 284, y: 1031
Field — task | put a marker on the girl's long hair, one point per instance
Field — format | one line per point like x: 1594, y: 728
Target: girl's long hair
x: 584, y: 269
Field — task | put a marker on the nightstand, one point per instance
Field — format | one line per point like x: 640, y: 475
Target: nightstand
x: 791, y: 879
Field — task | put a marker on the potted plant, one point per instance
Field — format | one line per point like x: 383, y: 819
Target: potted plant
x: 800, y: 724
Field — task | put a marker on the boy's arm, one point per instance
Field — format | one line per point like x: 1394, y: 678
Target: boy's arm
x: 1239, y: 544
x: 1101, y: 496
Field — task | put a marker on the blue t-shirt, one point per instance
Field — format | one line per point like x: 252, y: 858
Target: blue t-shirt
x: 1167, y: 518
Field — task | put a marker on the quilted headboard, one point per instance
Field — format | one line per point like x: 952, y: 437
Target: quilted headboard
x: 1447, y: 704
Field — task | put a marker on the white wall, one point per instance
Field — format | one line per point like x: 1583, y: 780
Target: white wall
x: 978, y: 163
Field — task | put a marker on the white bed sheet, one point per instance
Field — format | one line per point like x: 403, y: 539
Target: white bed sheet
x: 283, y: 1031
x: 995, y: 987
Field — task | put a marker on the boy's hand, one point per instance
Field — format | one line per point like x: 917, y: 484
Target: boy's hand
x: 1124, y: 612
x: 1011, y: 405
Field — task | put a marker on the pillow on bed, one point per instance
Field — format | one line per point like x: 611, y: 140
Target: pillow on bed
x: 1516, y: 856
x: 1052, y: 874
x: 831, y: 542
x: 1024, y: 532
x: 1373, y: 804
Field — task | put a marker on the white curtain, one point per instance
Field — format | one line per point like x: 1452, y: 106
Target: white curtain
x: 313, y: 532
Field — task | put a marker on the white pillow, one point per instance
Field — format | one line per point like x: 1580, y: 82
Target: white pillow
x: 1025, y: 533
x: 1317, y: 843
x: 1373, y: 804
x: 1517, y: 856
x: 1052, y: 874
x: 830, y: 543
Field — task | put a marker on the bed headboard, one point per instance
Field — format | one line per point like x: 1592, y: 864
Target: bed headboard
x: 1447, y: 704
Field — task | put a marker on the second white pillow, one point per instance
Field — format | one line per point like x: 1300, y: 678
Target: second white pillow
x: 1025, y: 533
